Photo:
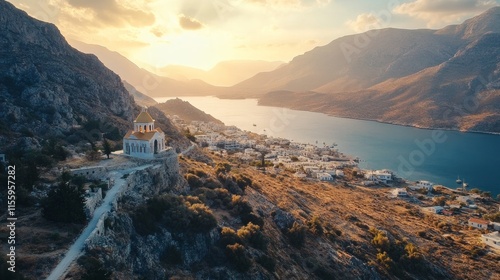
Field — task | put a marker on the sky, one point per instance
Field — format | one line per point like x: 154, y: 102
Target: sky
x: 200, y: 33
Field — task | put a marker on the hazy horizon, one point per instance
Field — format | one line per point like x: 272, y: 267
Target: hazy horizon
x: 202, y: 34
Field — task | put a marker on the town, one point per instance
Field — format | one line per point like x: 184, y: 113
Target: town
x: 465, y: 209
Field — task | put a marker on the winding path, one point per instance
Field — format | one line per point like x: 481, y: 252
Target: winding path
x: 77, y: 248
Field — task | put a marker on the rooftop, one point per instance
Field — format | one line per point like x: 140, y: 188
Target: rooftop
x: 479, y: 221
x: 144, y: 117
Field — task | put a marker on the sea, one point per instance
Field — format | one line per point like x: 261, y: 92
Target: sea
x: 439, y: 156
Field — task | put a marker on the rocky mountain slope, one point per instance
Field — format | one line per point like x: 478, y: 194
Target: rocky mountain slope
x: 50, y: 90
x: 185, y: 111
x: 446, y: 78
x: 140, y: 98
x: 224, y: 220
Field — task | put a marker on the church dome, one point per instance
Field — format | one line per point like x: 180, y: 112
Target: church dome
x: 144, y: 117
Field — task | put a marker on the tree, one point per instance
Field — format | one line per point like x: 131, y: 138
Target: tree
x: 64, y: 203
x: 94, y: 269
x: 106, y: 146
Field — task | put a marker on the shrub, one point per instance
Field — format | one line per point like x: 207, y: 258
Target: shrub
x: 201, y: 218
x: 243, y: 181
x: 267, y: 262
x: 315, y: 225
x: 297, y: 234
x: 384, y: 260
x: 93, y: 269
x: 381, y: 241
x: 228, y: 237
x: 237, y: 255
x: 193, y: 180
x: 251, y: 234
x: 240, y: 206
x: 222, y: 168
x: 64, y: 203
x: 175, y: 213
x: 252, y: 218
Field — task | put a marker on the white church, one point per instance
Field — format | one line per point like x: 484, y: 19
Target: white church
x: 145, y: 140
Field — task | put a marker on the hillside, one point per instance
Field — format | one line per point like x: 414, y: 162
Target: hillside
x: 140, y: 98
x: 185, y: 111
x: 50, y: 90
x: 447, y: 78
x: 223, y: 219
x: 144, y: 81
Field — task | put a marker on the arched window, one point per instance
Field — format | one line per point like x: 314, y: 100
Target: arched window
x: 144, y: 127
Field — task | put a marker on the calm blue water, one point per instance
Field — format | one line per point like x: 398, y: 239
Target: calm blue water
x: 473, y: 156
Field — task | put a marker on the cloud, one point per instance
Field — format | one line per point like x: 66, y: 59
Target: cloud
x: 289, y: 3
x: 439, y: 12
x: 189, y: 23
x: 365, y: 22
x: 111, y: 13
x: 158, y: 31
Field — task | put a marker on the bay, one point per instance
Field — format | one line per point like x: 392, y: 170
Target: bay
x: 412, y: 153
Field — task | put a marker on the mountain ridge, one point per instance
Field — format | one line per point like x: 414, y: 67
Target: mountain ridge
x: 424, y: 78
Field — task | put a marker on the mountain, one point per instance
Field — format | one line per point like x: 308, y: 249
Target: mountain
x: 140, y: 98
x: 185, y: 111
x: 421, y: 78
x: 225, y: 73
x: 144, y: 81
x: 48, y: 89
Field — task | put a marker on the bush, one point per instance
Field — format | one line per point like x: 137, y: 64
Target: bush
x: 228, y: 237
x: 251, y: 234
x: 381, y: 241
x: 252, y: 218
x: 240, y: 206
x: 243, y: 181
x: 222, y: 168
x: 193, y: 180
x: 93, y: 269
x: 297, y: 234
x: 384, y: 260
x: 315, y: 225
x: 175, y: 213
x: 237, y: 255
x: 64, y: 203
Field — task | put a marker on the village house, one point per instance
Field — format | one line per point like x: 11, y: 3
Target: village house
x: 492, y: 239
x: 399, y: 192
x: 422, y: 185
x: 378, y: 175
x: 434, y: 209
x: 478, y: 223
x: 145, y: 140
x: 323, y: 176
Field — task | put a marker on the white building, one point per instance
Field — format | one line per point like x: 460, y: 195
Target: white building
x: 379, y: 175
x: 434, y: 209
x: 323, y: 176
x: 478, y: 223
x: 422, y: 185
x: 399, y: 192
x: 145, y: 140
x: 492, y: 239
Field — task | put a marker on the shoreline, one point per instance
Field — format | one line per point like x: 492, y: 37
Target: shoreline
x: 335, y: 116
